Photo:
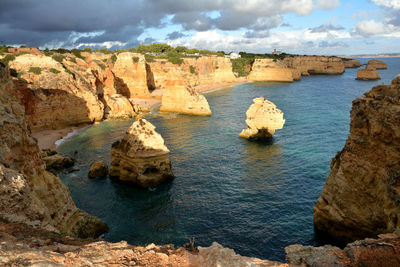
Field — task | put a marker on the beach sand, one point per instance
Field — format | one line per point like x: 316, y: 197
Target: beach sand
x: 47, y: 138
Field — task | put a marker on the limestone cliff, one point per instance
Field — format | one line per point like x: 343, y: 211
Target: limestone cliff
x: 362, y: 192
x: 179, y: 97
x: 271, y: 70
x: 368, y: 74
x: 141, y: 157
x: 315, y: 64
x: 262, y: 119
x: 352, y: 63
x: 376, y: 64
x: 28, y: 193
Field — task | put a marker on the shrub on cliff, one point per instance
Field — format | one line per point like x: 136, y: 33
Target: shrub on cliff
x: 135, y: 59
x: 174, y: 57
x: 113, y: 58
x: 241, y: 65
x: 3, y: 49
x: 35, y: 70
x: 77, y: 53
x: 5, y: 60
x: 55, y: 71
x: 192, y: 70
x: 149, y: 58
x: 58, y: 58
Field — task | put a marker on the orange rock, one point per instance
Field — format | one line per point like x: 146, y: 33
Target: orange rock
x: 368, y: 74
x: 376, y: 64
x: 315, y: 64
x: 270, y: 70
x: 351, y: 63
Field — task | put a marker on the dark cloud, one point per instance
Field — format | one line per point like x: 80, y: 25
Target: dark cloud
x: 256, y: 34
x: 326, y: 28
x: 327, y: 44
x: 175, y: 35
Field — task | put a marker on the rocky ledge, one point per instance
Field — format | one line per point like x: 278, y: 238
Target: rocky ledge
x: 262, y: 119
x: 141, y: 157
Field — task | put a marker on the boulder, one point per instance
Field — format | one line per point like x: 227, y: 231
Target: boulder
x: 58, y: 162
x: 262, y: 119
x: 98, y: 169
x: 376, y: 64
x: 141, y: 157
x: 368, y: 74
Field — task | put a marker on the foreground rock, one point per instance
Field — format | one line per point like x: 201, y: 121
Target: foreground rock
x: 262, y: 119
x: 362, y: 192
x: 98, y: 169
x: 384, y: 251
x: 368, y: 74
x: 376, y: 64
x: 351, y: 63
x: 55, y: 161
x: 181, y: 98
x: 270, y: 70
x: 309, y: 65
x: 141, y: 157
x: 29, y: 193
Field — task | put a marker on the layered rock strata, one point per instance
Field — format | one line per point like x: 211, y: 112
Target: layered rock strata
x: 362, y: 193
x: 29, y: 193
x: 179, y: 97
x: 141, y: 157
x: 376, y: 64
x: 262, y: 119
x: 352, y: 63
x: 368, y: 74
x: 270, y: 70
x: 308, y: 65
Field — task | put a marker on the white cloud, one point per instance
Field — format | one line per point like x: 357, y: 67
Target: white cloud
x: 368, y: 28
x: 395, y: 4
x: 108, y: 44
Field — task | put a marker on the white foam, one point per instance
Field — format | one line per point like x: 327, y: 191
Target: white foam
x: 69, y: 135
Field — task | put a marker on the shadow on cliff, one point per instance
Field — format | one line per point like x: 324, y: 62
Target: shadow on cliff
x: 151, y: 85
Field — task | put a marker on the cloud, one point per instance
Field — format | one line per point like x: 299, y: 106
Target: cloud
x: 286, y: 25
x: 175, y: 35
x: 395, y: 4
x: 367, y: 28
x: 326, y: 44
x: 256, y: 34
x: 326, y: 28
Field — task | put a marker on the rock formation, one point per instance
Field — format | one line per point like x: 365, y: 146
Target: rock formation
x: 181, y: 98
x: 368, y: 74
x: 262, y: 119
x: 55, y: 161
x: 269, y: 70
x: 29, y: 193
x: 98, y: 169
x: 315, y: 64
x: 362, y: 193
x: 376, y: 64
x: 351, y: 63
x: 141, y: 157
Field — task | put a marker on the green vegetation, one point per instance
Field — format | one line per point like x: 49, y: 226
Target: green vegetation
x: 58, y: 58
x: 5, y: 60
x: 149, y: 58
x: 61, y: 50
x: 133, y: 49
x: 3, y: 49
x: 241, y: 66
x: 55, y: 71
x: 68, y: 71
x: 88, y: 49
x: 36, y: 70
x: 105, y: 60
x: 102, y: 66
x: 72, y: 59
x: 135, y: 59
x: 113, y: 58
x: 174, y: 57
x: 192, y: 70
x: 47, y: 52
x: 77, y: 53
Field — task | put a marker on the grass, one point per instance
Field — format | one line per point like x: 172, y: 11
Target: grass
x: 35, y: 70
x: 55, y: 71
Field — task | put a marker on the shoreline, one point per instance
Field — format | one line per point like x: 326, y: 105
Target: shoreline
x: 47, y: 138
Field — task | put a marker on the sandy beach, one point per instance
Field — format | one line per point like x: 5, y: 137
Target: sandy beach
x: 47, y: 138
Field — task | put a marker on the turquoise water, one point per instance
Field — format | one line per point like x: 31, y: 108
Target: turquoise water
x: 254, y: 197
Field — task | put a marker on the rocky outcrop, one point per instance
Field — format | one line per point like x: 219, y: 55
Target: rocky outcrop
x: 29, y: 193
x: 368, y: 74
x: 57, y: 162
x: 98, y: 169
x: 384, y: 251
x: 376, y: 64
x: 117, y: 107
x: 262, y: 119
x: 351, y: 63
x: 308, y: 65
x: 179, y: 97
x: 362, y: 192
x: 271, y: 70
x: 141, y: 157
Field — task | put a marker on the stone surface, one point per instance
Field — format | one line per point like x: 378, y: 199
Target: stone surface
x: 315, y: 64
x: 384, y: 251
x: 352, y: 63
x: 262, y: 119
x: 362, y: 192
x: 141, y: 157
x: 376, y: 64
x: 29, y: 193
x: 58, y: 162
x: 118, y: 106
x: 368, y: 74
x: 179, y: 97
x: 269, y: 70
x: 98, y: 169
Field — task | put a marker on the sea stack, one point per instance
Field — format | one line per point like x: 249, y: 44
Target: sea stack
x: 141, y: 157
x: 180, y: 97
x: 369, y: 73
x: 351, y: 63
x: 362, y: 193
x: 376, y: 64
x: 262, y: 119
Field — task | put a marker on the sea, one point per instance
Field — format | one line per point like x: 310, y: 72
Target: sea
x: 255, y: 197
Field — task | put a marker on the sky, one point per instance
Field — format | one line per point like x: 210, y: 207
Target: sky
x: 323, y: 27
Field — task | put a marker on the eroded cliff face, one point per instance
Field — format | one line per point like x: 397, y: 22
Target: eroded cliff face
x: 362, y: 192
x: 368, y: 74
x: 376, y: 64
x: 28, y: 193
x: 270, y: 70
x: 308, y: 65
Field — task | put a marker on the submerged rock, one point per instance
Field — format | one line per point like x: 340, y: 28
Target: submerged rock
x: 368, y: 74
x: 376, y: 64
x: 362, y: 192
x: 262, y: 119
x: 98, y: 169
x: 141, y: 157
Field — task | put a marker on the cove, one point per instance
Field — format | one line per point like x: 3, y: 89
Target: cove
x: 254, y: 197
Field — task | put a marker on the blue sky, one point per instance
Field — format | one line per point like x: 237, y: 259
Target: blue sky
x: 333, y: 27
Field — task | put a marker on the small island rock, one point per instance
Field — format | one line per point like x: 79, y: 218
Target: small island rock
x: 263, y: 118
x: 376, y: 64
x: 141, y: 157
x: 98, y: 169
x: 368, y: 73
